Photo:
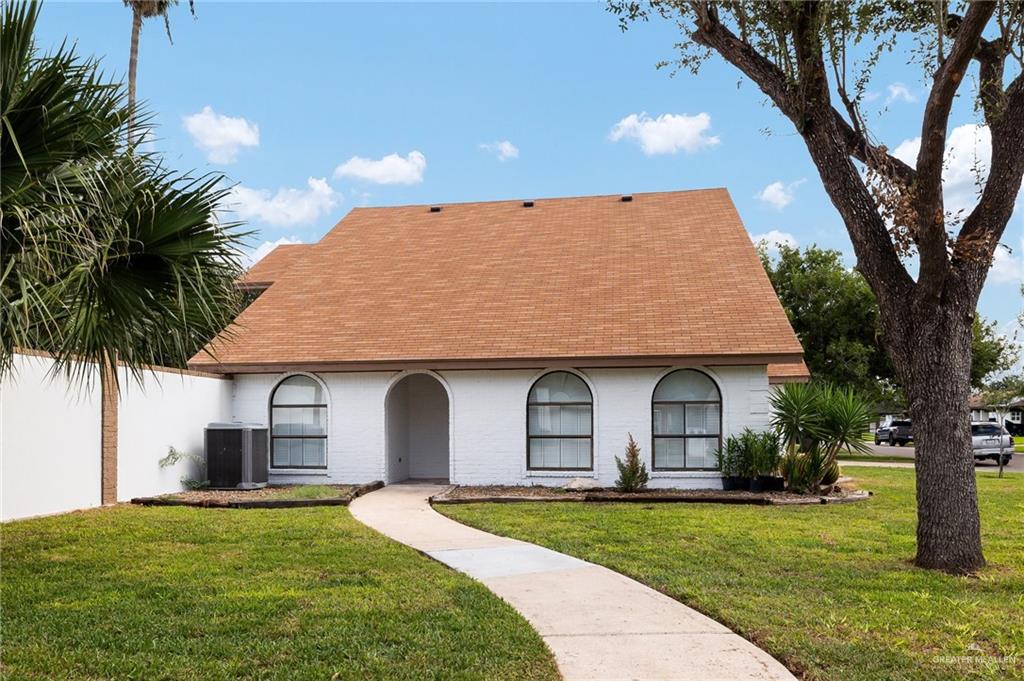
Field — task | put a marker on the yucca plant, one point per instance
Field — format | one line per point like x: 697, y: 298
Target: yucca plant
x: 816, y: 422
x: 796, y: 414
x: 107, y: 255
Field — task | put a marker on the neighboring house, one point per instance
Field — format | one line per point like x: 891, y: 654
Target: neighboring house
x: 511, y: 342
x: 981, y: 410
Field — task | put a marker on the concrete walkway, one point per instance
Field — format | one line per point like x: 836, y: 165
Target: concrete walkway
x: 600, y: 625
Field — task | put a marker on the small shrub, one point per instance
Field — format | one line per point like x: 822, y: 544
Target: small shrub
x: 174, y: 456
x: 758, y: 453
x: 728, y: 457
x: 632, y: 472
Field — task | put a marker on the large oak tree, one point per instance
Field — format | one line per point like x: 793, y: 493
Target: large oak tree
x: 801, y: 55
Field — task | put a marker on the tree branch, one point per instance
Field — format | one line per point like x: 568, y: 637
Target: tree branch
x: 858, y: 147
x: 829, y: 146
x: 984, y: 227
x: 931, y: 222
x: 991, y: 57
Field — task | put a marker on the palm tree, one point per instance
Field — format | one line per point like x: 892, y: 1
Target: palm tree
x: 141, y: 10
x: 106, y: 253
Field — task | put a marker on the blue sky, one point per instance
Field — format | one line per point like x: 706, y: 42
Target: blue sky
x: 312, y: 109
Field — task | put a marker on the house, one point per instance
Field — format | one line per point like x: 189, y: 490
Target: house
x: 982, y: 410
x: 510, y: 342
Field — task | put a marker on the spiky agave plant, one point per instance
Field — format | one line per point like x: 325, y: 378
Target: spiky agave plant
x: 106, y: 254
x: 817, y: 421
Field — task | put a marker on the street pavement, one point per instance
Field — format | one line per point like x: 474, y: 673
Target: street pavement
x: 907, y: 452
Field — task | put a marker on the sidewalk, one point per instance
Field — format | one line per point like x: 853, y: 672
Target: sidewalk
x: 600, y: 625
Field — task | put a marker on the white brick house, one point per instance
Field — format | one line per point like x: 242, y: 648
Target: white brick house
x: 510, y: 342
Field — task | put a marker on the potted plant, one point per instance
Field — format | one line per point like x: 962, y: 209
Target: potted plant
x: 743, y: 457
x: 728, y: 464
x: 769, y: 456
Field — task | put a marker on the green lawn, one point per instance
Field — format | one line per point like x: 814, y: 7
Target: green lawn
x: 828, y: 590
x: 186, y: 593
x: 886, y: 458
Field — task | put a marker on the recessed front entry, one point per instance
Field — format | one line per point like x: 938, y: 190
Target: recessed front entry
x: 417, y: 423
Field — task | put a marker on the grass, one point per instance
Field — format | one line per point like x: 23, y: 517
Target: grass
x: 886, y: 458
x: 186, y: 593
x: 829, y: 590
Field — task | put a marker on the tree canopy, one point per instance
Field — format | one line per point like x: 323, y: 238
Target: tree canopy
x: 835, y: 315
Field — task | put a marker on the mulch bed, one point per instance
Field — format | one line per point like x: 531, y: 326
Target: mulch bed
x: 255, y: 498
x: 510, y: 494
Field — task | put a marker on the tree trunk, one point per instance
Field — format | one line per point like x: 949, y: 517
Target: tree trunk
x: 133, y: 63
x: 935, y: 365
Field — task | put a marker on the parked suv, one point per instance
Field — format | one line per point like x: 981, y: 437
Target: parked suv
x: 990, y: 441
x: 896, y: 433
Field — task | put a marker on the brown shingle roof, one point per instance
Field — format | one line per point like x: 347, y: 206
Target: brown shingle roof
x: 791, y: 372
x: 272, y: 266
x: 592, y: 281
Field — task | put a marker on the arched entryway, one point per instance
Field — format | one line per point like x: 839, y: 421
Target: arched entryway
x: 417, y: 423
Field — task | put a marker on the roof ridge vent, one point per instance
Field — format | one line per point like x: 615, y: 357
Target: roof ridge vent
x: 527, y: 204
x: 626, y: 198
x: 435, y: 209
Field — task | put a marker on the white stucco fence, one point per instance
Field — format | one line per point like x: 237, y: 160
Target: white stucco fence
x: 49, y: 442
x: 50, y: 459
x: 167, y: 410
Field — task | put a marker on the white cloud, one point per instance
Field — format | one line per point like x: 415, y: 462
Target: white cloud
x: 504, y: 150
x: 392, y: 169
x: 965, y: 165
x: 779, y: 194
x: 221, y: 137
x: 252, y: 257
x: 1008, y: 268
x: 773, y: 239
x: 288, y: 206
x: 666, y: 134
x: 898, y: 92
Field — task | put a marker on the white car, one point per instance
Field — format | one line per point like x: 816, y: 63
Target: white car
x: 991, y: 441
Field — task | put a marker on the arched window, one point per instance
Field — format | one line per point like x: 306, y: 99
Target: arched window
x: 686, y: 421
x: 298, y: 424
x: 560, y: 423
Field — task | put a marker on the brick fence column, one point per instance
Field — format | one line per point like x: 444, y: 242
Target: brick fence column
x: 108, y: 437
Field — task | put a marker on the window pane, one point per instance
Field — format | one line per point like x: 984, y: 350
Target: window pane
x: 282, y: 453
x: 668, y: 419
x: 543, y: 453
x: 702, y: 419
x: 700, y: 452
x: 555, y: 420
x: 686, y: 385
x: 299, y: 420
x: 313, y: 452
x: 298, y: 390
x: 668, y: 452
x: 560, y: 386
x: 560, y: 453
